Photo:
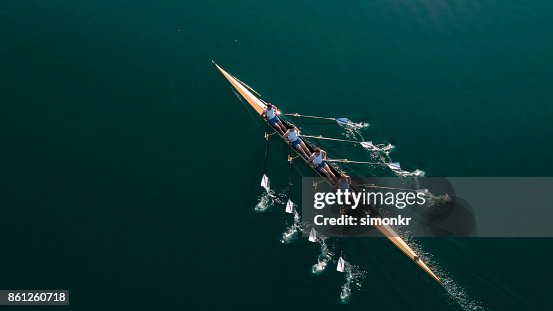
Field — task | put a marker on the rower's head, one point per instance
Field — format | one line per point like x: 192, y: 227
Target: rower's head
x: 292, y: 127
x: 270, y: 106
x: 317, y: 150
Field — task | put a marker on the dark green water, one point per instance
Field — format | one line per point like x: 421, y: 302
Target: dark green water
x: 131, y: 171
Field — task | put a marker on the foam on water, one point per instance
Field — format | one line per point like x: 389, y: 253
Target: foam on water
x: 270, y: 197
x: 457, y: 295
x: 324, y: 257
x: 265, y: 201
x: 354, y: 276
x: 293, y: 231
x: 353, y: 129
x: 415, y: 173
x: 433, y: 200
x: 386, y: 148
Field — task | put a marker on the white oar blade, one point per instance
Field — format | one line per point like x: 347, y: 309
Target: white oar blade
x: 368, y: 144
x: 289, y: 207
x: 313, y: 235
x: 394, y: 166
x: 265, y: 182
x: 341, y: 267
x: 343, y: 121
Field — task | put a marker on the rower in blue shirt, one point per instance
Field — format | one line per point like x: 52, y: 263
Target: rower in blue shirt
x: 293, y: 135
x: 271, y: 114
x: 317, y: 159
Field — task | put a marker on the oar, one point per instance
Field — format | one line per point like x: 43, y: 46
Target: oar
x: 265, y: 179
x: 290, y: 205
x: 341, y: 262
x: 341, y: 121
x: 364, y: 144
x: 394, y: 166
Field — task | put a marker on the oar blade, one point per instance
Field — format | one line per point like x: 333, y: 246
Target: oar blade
x: 313, y: 235
x: 394, y: 166
x: 265, y: 182
x: 343, y: 121
x: 367, y: 145
x: 341, y: 267
x: 289, y: 207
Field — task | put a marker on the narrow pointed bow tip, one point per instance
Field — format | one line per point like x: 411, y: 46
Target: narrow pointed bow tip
x: 217, y: 66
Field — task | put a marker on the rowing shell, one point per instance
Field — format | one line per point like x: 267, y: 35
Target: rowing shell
x: 259, y: 106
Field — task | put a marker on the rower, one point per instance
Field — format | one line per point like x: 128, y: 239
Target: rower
x: 293, y: 137
x: 318, y: 160
x: 343, y: 185
x: 270, y: 113
x: 344, y: 182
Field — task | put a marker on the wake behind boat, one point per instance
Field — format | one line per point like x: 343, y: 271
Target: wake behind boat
x: 259, y: 106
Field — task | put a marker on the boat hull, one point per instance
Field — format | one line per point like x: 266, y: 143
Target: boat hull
x: 258, y: 105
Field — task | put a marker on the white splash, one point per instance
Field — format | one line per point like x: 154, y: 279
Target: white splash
x: 292, y: 232
x: 356, y: 125
x: 386, y: 148
x: 415, y: 173
x: 354, y: 276
x: 460, y: 296
x: 456, y: 293
x: 324, y: 257
x: 353, y: 129
x: 432, y: 200
x: 265, y: 201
